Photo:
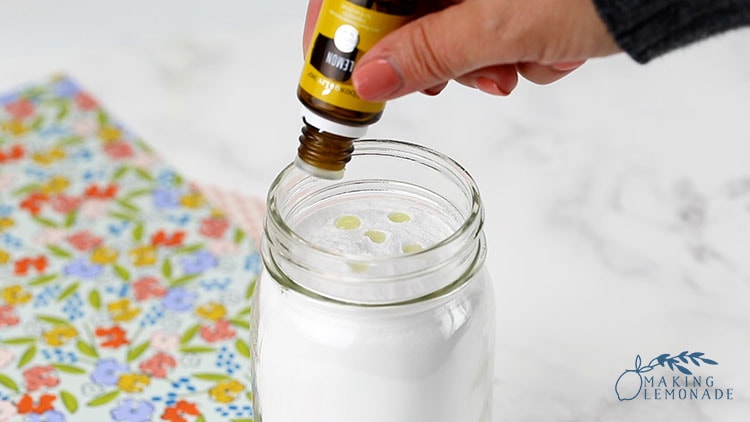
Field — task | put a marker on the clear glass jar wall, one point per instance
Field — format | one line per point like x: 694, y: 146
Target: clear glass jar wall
x: 374, y: 304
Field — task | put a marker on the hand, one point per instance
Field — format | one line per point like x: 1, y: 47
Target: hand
x: 484, y: 44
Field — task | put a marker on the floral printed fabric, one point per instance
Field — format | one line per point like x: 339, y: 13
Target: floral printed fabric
x: 124, y: 295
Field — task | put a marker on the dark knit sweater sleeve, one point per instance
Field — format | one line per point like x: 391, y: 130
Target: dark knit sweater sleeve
x: 646, y: 29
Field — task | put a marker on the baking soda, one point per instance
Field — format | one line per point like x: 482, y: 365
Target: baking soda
x: 429, y: 361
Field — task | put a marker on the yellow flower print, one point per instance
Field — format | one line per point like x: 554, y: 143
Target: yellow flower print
x: 226, y: 391
x: 15, y: 295
x: 143, y: 255
x: 122, y: 310
x: 60, y: 335
x: 133, y: 383
x: 4, y: 257
x: 6, y: 223
x: 56, y: 184
x: 192, y: 200
x: 212, y: 311
x: 46, y: 158
x: 14, y: 127
x: 104, y: 255
x: 110, y: 134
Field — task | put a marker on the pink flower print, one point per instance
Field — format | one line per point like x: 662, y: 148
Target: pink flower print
x: 223, y: 247
x: 84, y: 240
x: 85, y: 127
x: 148, y: 287
x: 65, y: 204
x: 7, y: 411
x: 85, y: 102
x: 159, y: 365
x: 20, y: 109
x: 214, y: 227
x: 38, y: 377
x: 50, y: 236
x: 6, y: 181
x: 221, y: 330
x: 94, y: 208
x: 6, y: 357
x: 144, y: 160
x: 119, y: 150
x: 8, y: 317
x: 165, y: 342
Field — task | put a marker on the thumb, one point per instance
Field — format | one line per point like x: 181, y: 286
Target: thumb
x: 426, y: 52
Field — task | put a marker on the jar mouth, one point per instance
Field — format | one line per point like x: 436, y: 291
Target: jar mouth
x: 382, y: 174
x: 472, y: 222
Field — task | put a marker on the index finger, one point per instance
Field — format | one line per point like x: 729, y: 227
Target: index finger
x: 313, y: 10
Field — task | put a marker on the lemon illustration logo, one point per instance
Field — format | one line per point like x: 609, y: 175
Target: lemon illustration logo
x: 629, y: 384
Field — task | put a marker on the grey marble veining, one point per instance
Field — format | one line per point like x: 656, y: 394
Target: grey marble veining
x: 618, y: 200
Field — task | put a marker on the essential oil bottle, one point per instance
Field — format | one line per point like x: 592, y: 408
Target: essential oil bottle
x: 332, y: 112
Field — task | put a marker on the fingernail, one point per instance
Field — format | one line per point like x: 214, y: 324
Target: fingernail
x: 489, y: 86
x: 567, y: 66
x: 376, y: 80
x: 435, y: 90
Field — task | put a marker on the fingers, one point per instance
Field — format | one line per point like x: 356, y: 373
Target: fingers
x: 313, y: 10
x: 423, y: 54
x: 544, y: 74
x: 495, y: 80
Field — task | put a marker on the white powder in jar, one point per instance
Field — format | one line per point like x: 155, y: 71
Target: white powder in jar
x: 429, y: 361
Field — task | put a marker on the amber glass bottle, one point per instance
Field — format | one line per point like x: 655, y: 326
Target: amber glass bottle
x: 332, y: 112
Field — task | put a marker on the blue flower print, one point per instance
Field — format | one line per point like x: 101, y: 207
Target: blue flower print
x: 108, y: 371
x: 48, y: 416
x: 83, y: 269
x: 199, y: 262
x: 179, y: 299
x: 65, y: 88
x: 133, y: 411
x: 166, y: 198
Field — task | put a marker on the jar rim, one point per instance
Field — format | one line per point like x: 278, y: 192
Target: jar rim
x: 471, y: 225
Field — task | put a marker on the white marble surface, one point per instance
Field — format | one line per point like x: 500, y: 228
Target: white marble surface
x: 618, y: 200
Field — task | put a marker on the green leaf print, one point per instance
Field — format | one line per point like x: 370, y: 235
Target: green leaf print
x: 121, y: 272
x: 242, y: 348
x: 95, y: 299
x: 120, y: 173
x: 166, y: 268
x: 45, y: 222
x: 52, y: 320
x: 58, y: 251
x: 19, y: 340
x: 183, y: 280
x: 68, y: 292
x: 103, y: 399
x: 138, y: 232
x: 137, y: 351
x: 197, y: 349
x: 8, y: 382
x: 189, y: 334
x: 69, y: 400
x: 27, y: 356
x: 41, y: 280
x: 212, y: 377
x: 87, y: 349
x: 69, y: 369
x: 70, y: 219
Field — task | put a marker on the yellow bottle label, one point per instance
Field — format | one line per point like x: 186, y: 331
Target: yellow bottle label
x: 344, y: 32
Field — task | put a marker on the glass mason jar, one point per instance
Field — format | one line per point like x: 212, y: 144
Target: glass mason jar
x: 374, y: 304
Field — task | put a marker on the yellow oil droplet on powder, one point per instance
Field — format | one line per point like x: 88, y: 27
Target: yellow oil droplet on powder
x: 348, y: 222
x: 359, y: 267
x: 411, y: 248
x: 399, y: 217
x: 376, y: 236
